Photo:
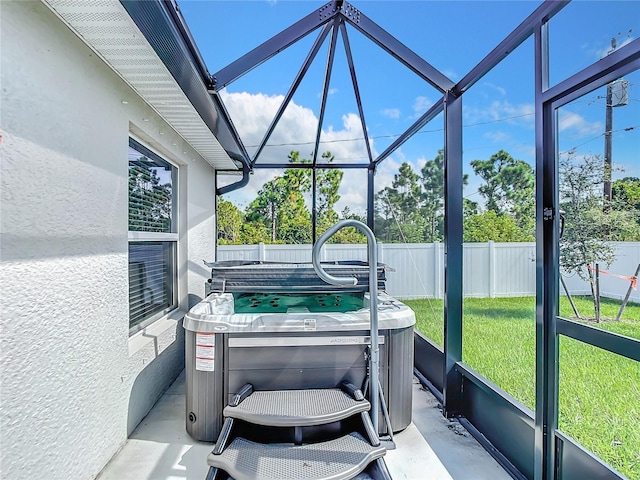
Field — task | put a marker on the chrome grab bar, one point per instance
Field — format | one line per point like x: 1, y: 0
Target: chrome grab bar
x: 372, y: 252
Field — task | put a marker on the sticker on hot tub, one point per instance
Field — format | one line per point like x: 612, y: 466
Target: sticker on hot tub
x: 205, y: 338
x: 205, y: 352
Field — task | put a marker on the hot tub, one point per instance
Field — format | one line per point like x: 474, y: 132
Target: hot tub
x: 279, y: 327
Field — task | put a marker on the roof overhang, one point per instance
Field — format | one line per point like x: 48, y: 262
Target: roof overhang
x: 143, y: 43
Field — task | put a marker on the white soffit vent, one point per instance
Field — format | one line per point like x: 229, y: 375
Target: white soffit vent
x: 105, y: 26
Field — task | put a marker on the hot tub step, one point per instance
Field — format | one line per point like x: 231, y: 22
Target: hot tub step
x: 292, y: 408
x: 342, y: 458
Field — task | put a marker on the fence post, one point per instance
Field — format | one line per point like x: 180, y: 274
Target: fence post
x: 492, y: 269
x: 380, y: 251
x: 436, y: 269
x: 626, y: 297
x: 262, y: 252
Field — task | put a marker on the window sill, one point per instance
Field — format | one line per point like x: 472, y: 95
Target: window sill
x: 158, y: 335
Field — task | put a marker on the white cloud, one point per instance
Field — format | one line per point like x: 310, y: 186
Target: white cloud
x: 527, y: 150
x: 504, y: 140
x: 501, y: 110
x: 451, y: 74
x: 573, y: 122
x: 390, y: 112
x: 420, y: 163
x: 399, y: 155
x: 331, y: 91
x: 353, y: 192
x: 505, y: 109
x: 252, y: 114
x: 497, y: 136
x: 385, y: 172
x: 297, y: 129
x: 501, y: 90
x: 420, y: 105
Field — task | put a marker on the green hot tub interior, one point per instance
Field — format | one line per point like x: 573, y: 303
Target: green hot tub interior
x: 273, y: 302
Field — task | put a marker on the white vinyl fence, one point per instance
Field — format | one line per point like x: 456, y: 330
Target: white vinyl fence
x: 490, y: 269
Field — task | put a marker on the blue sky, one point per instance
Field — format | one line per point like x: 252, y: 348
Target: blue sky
x: 453, y: 36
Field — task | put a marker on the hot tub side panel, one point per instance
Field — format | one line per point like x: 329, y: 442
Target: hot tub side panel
x: 205, y: 396
x: 399, y: 378
x: 288, y: 362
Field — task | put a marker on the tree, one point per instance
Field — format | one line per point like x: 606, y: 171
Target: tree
x: 264, y: 208
x: 253, y: 233
x: 432, y: 197
x: 294, y: 216
x: 149, y: 201
x: 626, y: 193
x: 349, y: 234
x: 582, y: 243
x: 399, y: 207
x: 230, y: 222
x: 491, y: 226
x: 469, y: 207
x: 626, y: 201
x: 582, y: 203
x: 327, y: 185
x: 328, y: 182
x: 281, y: 208
x: 235, y: 229
x: 509, y: 188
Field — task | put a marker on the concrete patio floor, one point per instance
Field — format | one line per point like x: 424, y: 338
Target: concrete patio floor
x: 432, y: 447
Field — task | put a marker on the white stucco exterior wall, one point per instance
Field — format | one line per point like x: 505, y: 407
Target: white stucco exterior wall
x: 74, y: 383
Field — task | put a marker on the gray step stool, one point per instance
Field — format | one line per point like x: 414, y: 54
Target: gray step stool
x: 344, y: 455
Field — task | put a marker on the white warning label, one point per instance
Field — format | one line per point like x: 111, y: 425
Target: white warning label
x: 205, y: 351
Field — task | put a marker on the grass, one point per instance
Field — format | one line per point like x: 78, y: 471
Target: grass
x: 599, y: 392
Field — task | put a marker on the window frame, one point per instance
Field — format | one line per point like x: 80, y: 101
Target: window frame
x: 138, y: 237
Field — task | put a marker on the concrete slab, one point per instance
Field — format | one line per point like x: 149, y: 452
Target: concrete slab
x: 445, y: 448
x: 160, y: 447
x: 432, y: 447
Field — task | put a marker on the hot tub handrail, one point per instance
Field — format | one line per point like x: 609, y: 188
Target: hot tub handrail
x: 372, y: 252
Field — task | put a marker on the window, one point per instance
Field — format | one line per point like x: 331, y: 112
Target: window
x: 152, y: 236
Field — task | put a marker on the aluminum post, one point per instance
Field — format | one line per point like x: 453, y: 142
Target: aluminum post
x: 453, y: 181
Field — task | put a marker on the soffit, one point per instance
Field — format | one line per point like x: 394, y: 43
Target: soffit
x: 106, y: 27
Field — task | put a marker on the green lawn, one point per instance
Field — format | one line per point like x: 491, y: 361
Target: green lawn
x: 599, y: 400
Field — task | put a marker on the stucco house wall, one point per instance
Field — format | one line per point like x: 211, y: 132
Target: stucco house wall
x: 74, y: 382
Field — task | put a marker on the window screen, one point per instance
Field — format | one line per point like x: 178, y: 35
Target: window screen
x: 152, y: 235
x: 151, y: 274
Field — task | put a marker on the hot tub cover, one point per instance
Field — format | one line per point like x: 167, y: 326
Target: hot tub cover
x: 260, y: 276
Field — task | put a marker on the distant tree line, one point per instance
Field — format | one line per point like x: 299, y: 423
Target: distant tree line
x: 411, y: 209
x: 279, y: 213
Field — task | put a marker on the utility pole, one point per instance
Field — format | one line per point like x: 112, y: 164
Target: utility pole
x: 608, y: 127
x: 617, y: 89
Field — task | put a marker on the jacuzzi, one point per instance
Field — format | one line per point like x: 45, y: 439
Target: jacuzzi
x: 278, y: 327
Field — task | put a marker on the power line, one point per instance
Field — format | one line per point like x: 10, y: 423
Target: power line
x: 504, y: 119
x: 625, y: 129
x: 393, y: 135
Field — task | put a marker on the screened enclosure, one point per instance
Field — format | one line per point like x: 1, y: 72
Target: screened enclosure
x: 523, y: 371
